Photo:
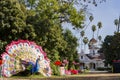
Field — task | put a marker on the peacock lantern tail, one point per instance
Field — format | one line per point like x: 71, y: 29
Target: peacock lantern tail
x: 22, y: 53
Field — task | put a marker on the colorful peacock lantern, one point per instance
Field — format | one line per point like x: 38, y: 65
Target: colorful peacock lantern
x: 23, y: 54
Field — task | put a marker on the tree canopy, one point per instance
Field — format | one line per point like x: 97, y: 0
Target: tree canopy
x: 13, y: 22
x: 111, y: 48
x: 70, y: 51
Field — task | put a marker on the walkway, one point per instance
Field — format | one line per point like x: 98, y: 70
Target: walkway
x: 104, y: 76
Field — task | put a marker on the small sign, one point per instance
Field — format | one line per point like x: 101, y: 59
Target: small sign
x: 62, y: 70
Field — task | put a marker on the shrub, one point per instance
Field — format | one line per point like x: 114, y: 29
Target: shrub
x: 54, y: 69
x: 103, y: 68
x: 2, y: 46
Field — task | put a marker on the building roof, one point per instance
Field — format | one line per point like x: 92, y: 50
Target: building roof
x: 100, y: 57
x: 90, y: 47
x: 93, y: 40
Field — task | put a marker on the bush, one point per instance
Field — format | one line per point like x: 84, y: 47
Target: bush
x: 103, y: 69
x: 55, y: 70
x: 2, y: 46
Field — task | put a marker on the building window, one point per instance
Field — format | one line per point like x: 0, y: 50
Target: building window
x: 81, y: 57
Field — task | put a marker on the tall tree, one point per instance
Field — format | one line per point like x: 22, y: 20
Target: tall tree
x: 111, y: 48
x: 13, y: 22
x: 85, y: 41
x: 71, y: 50
x: 51, y: 13
x: 82, y: 34
x: 90, y: 20
x: 99, y: 27
x: 117, y: 23
x: 99, y: 38
x: 93, y: 29
x: 54, y: 42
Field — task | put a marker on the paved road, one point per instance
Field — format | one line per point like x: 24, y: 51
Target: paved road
x: 102, y: 76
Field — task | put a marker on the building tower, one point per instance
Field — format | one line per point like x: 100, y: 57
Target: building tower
x: 93, y: 47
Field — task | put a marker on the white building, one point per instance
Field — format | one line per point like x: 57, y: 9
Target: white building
x: 93, y: 60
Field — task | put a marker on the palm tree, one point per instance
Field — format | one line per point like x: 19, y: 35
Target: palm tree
x: 99, y: 27
x: 82, y: 33
x: 90, y: 19
x: 85, y: 41
x: 99, y: 38
x: 117, y: 22
x: 93, y: 29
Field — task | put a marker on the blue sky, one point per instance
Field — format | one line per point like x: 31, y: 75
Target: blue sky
x: 105, y: 12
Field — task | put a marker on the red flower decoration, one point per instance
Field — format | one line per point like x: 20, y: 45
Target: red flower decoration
x: 57, y: 63
x: 74, y: 71
x: 0, y: 62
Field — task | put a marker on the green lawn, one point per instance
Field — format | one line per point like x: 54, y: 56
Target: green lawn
x: 53, y: 76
